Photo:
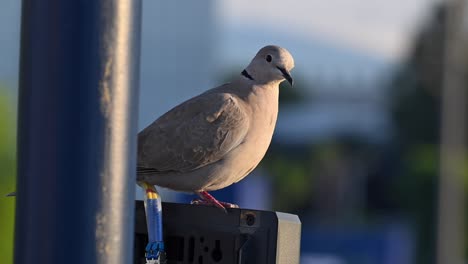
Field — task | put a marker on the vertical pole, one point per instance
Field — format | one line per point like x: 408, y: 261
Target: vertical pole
x: 451, y: 211
x: 79, y: 70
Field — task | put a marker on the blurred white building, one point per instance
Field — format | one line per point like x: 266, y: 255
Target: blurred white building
x: 177, y: 54
x: 177, y: 57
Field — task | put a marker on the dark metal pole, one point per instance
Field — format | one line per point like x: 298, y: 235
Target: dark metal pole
x: 77, y: 131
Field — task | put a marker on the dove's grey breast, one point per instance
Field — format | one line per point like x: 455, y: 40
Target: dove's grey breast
x: 192, y: 149
x: 262, y: 104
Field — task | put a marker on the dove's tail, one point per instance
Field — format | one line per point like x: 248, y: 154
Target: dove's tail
x: 11, y: 194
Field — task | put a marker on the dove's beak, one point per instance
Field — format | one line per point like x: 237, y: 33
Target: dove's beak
x: 286, y: 75
x: 11, y: 194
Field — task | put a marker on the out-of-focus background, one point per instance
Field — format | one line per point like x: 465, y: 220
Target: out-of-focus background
x: 357, y: 144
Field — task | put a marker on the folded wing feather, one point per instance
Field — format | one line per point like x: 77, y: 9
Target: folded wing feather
x: 192, y: 135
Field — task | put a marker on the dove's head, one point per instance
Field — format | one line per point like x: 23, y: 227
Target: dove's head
x: 271, y: 64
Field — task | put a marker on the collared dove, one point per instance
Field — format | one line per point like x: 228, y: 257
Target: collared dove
x: 218, y: 137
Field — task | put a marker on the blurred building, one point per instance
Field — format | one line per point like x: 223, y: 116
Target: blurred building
x: 177, y: 54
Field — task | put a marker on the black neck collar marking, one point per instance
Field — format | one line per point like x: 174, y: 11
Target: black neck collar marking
x: 247, y: 75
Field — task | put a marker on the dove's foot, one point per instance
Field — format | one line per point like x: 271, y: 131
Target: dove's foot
x: 220, y: 205
x: 209, y: 200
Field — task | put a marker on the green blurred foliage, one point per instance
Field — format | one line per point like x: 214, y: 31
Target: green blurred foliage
x: 292, y: 180
x: 7, y: 175
x: 415, y: 191
x: 314, y: 179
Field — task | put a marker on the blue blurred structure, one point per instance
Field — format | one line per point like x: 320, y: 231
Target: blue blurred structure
x: 386, y: 244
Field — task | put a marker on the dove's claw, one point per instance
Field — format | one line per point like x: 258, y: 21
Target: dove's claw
x: 228, y: 205
x: 208, y: 203
x: 209, y: 200
x: 197, y: 201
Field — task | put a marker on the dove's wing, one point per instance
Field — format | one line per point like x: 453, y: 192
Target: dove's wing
x: 192, y: 135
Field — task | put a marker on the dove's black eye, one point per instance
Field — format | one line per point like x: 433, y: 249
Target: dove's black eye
x: 268, y: 58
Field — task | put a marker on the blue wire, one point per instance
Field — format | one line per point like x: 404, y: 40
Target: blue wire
x: 154, y: 220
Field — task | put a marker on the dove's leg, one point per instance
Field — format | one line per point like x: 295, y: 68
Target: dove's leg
x: 208, y: 199
x: 155, y: 249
